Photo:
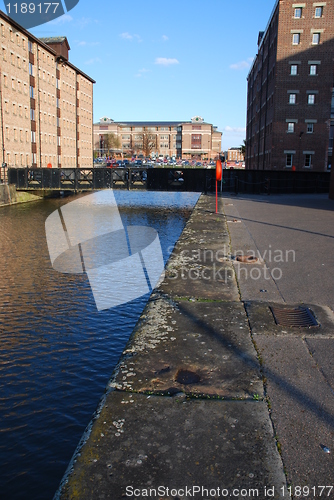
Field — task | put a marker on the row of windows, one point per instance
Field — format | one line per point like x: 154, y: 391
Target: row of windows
x: 16, y: 84
x: 291, y: 128
x: 307, y: 160
x: 318, y: 12
x: 14, y: 59
x: 296, y: 38
x: 310, y: 98
x: 147, y: 129
x: 19, y: 39
x: 17, y: 109
x: 295, y: 70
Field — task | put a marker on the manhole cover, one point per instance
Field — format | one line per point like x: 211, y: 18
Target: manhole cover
x: 299, y: 317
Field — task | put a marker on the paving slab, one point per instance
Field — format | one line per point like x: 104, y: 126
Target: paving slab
x: 322, y: 351
x: 144, y: 442
x: 200, y: 348
x: 257, y: 281
x: 302, y: 410
x: 262, y: 320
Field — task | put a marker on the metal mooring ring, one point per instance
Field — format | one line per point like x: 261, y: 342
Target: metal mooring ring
x: 246, y: 259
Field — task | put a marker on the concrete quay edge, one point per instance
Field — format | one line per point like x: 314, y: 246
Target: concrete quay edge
x: 185, y: 406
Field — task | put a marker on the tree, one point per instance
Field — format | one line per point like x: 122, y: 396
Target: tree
x: 149, y: 143
x: 243, y: 148
x: 111, y: 142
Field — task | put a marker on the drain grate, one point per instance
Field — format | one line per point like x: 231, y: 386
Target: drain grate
x: 299, y: 317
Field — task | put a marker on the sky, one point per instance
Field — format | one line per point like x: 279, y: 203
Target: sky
x: 167, y: 60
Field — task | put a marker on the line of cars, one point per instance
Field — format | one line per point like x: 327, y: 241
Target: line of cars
x: 149, y: 162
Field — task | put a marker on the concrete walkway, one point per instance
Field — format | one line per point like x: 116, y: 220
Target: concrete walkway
x: 211, y: 397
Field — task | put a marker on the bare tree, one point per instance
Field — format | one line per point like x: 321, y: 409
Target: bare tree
x: 112, y: 142
x: 148, y: 142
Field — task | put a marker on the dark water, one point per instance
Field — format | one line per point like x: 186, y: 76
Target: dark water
x: 57, y: 352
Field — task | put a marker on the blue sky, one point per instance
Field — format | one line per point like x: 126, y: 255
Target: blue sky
x: 172, y: 60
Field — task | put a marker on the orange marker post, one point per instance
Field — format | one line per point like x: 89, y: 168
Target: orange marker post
x: 218, y: 178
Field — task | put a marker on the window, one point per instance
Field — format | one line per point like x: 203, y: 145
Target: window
x: 311, y: 99
x: 313, y: 69
x: 33, y: 137
x: 292, y: 98
x: 318, y: 12
x: 298, y: 13
x: 289, y: 158
x: 295, y: 39
x: 294, y: 69
x: 291, y: 127
x: 31, y: 70
x: 308, y: 160
x: 32, y: 114
x: 31, y: 90
x: 315, y: 38
x: 310, y: 128
x: 4, y: 54
x: 30, y: 46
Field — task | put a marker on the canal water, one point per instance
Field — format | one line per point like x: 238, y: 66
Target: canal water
x: 57, y: 352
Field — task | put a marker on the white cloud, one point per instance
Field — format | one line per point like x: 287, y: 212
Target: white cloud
x: 164, y: 61
x: 66, y: 18
x: 128, y: 36
x: 141, y: 72
x: 165, y: 38
x: 242, y: 64
x: 93, y: 61
x: 83, y: 43
x: 235, y: 130
x: 85, y: 21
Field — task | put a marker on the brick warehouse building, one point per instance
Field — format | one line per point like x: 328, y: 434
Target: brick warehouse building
x: 290, y: 99
x: 46, y: 103
x: 194, y: 139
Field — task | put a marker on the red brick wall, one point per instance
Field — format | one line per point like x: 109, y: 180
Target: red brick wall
x: 277, y: 109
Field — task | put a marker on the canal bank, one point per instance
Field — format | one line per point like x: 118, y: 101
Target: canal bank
x: 186, y: 407
x: 10, y: 196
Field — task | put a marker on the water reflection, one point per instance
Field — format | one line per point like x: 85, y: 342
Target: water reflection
x: 57, y: 351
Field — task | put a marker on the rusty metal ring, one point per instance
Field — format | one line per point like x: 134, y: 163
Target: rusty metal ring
x: 246, y: 259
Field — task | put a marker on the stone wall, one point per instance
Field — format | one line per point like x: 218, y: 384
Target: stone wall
x: 9, y: 195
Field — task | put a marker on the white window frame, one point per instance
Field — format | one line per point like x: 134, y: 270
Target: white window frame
x: 294, y: 69
x: 286, y: 160
x: 317, y: 9
x: 313, y: 69
x: 291, y: 127
x: 308, y: 155
x: 292, y: 98
x: 298, y: 10
x: 295, y: 38
x: 309, y: 128
x: 315, y: 38
x: 311, y: 99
